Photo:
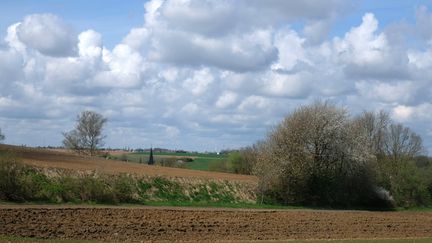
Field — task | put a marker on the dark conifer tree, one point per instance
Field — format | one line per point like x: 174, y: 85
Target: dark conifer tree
x: 151, y: 160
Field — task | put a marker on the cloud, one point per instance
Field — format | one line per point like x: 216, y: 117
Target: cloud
x: 222, y: 34
x: 237, y: 53
x: 317, y: 31
x: 205, y: 17
x: 212, y: 72
x: 402, y: 113
x: 421, y: 113
x: 137, y: 39
x: 47, y: 34
x: 199, y: 82
x: 290, y: 48
x: 424, y: 22
x: 253, y: 103
x: 368, y: 54
x: 401, y: 92
x: 221, y: 18
x: 123, y: 68
x: 11, y: 65
x: 90, y: 44
x: 280, y: 11
x: 291, y: 86
x: 227, y: 99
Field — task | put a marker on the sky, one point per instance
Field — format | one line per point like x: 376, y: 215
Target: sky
x: 207, y: 75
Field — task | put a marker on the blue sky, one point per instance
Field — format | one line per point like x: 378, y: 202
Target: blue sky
x: 114, y: 19
x: 208, y: 75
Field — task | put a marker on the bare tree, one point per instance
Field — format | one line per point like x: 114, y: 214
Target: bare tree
x: 374, y: 126
x: 87, y: 135
x: 402, y: 142
x: 387, y: 139
x: 2, y: 136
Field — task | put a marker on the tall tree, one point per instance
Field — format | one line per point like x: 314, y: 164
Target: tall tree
x: 151, y: 160
x: 374, y: 126
x: 317, y: 156
x: 2, y: 136
x: 87, y: 135
x: 402, y: 142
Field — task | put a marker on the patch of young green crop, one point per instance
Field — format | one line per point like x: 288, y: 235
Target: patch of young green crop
x: 188, y: 154
x: 194, y: 161
x: 204, y: 163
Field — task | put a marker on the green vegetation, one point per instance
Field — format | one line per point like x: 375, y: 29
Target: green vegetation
x: 193, y: 161
x: 208, y: 164
x: 22, y: 183
x: 14, y: 239
x: 320, y: 156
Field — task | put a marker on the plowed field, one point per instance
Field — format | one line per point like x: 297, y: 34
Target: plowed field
x: 179, y: 224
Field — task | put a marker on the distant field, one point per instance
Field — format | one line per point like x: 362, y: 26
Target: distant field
x: 65, y: 160
x: 201, y: 161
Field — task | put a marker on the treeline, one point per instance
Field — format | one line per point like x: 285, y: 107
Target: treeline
x: 321, y: 156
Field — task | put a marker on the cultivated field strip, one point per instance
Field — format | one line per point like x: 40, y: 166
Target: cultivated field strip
x: 170, y: 224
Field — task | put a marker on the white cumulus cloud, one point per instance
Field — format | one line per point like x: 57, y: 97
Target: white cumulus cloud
x: 47, y: 34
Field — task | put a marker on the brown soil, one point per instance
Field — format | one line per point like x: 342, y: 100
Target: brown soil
x: 169, y: 224
x: 65, y: 160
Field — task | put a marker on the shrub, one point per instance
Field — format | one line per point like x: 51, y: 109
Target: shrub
x: 168, y: 190
x: 15, y: 185
x: 124, y: 188
x: 220, y: 166
x: 317, y: 156
x: 407, y: 184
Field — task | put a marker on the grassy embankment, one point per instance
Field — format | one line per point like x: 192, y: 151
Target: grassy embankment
x: 27, y: 240
x: 23, y: 183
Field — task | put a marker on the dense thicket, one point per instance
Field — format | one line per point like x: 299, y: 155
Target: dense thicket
x: 320, y: 156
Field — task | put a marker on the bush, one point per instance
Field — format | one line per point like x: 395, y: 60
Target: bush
x: 124, y: 189
x: 317, y: 157
x: 243, y: 161
x: 220, y: 166
x: 407, y: 184
x: 15, y: 179
x: 171, y: 162
x: 168, y: 190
